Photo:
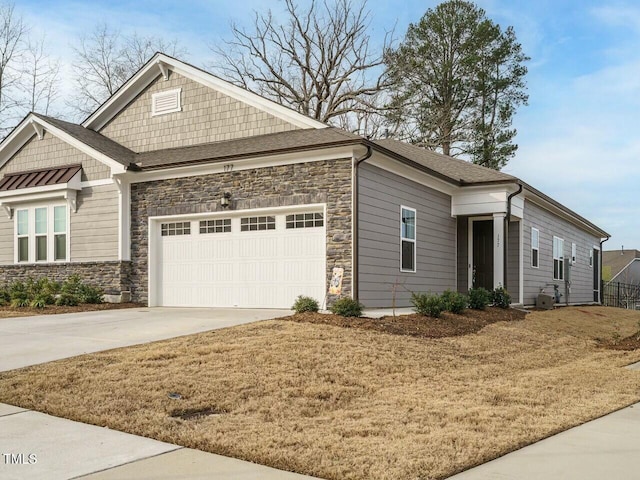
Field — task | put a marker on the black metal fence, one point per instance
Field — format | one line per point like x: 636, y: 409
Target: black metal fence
x: 621, y: 295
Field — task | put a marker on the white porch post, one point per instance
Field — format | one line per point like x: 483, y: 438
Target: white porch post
x: 498, y: 249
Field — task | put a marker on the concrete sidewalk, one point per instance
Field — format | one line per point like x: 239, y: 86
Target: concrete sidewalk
x: 608, y: 447
x: 38, y: 446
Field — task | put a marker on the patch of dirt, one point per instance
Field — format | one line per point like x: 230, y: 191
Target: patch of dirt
x: 448, y: 325
x: 10, y: 312
x: 632, y: 342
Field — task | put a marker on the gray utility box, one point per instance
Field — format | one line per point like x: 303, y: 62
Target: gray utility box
x: 545, y: 301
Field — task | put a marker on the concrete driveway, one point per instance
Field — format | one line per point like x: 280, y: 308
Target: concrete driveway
x: 31, y: 340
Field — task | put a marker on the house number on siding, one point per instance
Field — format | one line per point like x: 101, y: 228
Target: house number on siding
x: 228, y: 167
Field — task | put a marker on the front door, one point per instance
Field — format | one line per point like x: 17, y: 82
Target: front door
x: 482, y: 254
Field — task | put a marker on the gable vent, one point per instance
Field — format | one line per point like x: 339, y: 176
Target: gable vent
x: 166, y: 102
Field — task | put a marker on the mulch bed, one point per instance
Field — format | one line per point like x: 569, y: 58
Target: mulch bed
x: 632, y: 342
x: 8, y: 312
x: 448, y: 325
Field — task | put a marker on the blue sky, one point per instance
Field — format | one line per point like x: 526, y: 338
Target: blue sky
x: 578, y: 138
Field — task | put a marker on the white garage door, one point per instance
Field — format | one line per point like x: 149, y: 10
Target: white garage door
x: 249, y: 260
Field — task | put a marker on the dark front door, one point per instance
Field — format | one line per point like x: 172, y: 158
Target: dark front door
x: 596, y: 275
x: 483, y: 254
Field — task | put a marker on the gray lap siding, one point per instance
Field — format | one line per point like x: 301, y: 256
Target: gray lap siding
x: 305, y: 183
x: 550, y: 225
x: 381, y: 194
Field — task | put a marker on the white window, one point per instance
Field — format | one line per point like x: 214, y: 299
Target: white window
x: 22, y: 230
x: 574, y: 251
x: 60, y: 233
x: 591, y: 257
x: 250, y: 224
x: 407, y: 239
x: 41, y: 234
x: 558, y: 258
x: 222, y: 225
x: 166, y: 102
x: 535, y: 247
x: 304, y: 220
x: 175, y: 228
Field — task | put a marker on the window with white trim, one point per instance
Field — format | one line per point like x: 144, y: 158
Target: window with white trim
x: 558, y: 258
x: 305, y: 220
x: 250, y: 224
x: 219, y: 225
x: 41, y: 233
x: 535, y: 247
x: 166, y: 102
x: 175, y: 228
x: 22, y: 231
x: 574, y: 253
x: 407, y: 239
x: 591, y: 257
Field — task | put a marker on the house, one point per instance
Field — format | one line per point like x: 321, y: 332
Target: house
x: 185, y: 190
x: 621, y: 266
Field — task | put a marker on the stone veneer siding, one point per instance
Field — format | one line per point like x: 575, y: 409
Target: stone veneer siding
x: 112, y: 277
x: 315, y: 182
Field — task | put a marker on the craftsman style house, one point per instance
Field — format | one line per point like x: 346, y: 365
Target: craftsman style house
x: 185, y: 190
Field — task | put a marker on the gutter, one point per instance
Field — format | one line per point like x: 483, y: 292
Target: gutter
x: 506, y: 233
x: 601, y: 285
x: 354, y: 223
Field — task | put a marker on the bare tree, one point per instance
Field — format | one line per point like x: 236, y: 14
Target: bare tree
x: 105, y: 59
x: 12, y: 35
x: 318, y: 62
x: 41, y: 77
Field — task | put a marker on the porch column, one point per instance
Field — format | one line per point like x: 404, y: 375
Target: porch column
x: 498, y: 249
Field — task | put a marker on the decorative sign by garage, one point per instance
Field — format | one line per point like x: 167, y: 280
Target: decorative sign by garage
x: 335, y: 287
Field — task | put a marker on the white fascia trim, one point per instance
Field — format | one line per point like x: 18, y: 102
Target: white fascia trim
x: 150, y: 72
x: 249, y: 163
x: 542, y: 203
x: 96, y: 183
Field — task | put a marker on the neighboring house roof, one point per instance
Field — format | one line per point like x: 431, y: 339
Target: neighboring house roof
x: 618, y: 260
x: 98, y: 142
x: 273, y: 143
x: 38, y: 178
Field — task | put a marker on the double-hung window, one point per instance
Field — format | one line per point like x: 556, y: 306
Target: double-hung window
x: 407, y: 239
x: 535, y: 247
x: 41, y: 234
x: 558, y: 258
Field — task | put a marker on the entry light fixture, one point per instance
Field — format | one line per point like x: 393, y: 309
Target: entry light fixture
x: 224, y: 201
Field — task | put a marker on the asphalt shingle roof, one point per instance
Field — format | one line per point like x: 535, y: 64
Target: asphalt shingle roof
x: 618, y: 259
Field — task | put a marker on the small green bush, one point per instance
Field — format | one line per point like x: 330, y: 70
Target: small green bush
x: 347, y: 307
x: 479, y: 298
x: 18, y: 291
x: 454, y: 302
x: 84, y: 293
x: 19, y: 302
x: 5, y: 296
x: 91, y: 294
x: 500, y: 298
x: 427, y: 304
x: 39, y: 302
x: 68, y: 300
x: 305, y: 304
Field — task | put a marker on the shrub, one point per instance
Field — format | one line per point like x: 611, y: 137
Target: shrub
x: 39, y: 302
x: 73, y: 286
x: 479, y: 298
x: 18, y: 291
x: 91, y: 294
x: 5, y: 296
x: 305, y: 304
x: 500, y: 298
x: 67, y: 299
x: 347, y: 307
x: 454, y: 302
x: 427, y: 304
x: 19, y: 302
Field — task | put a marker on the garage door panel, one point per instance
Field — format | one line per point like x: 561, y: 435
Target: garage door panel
x: 260, y: 269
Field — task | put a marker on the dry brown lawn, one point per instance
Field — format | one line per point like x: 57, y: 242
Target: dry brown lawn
x: 349, y: 403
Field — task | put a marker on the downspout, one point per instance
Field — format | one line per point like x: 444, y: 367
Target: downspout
x: 506, y: 233
x: 354, y: 220
x: 601, y: 282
